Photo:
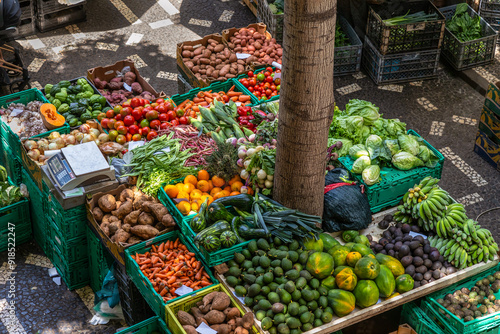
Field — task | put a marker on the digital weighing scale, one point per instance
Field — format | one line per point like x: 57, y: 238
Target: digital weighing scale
x: 79, y: 165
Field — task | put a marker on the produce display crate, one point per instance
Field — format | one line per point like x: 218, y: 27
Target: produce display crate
x: 72, y: 250
x: 28, y: 9
x: 493, y: 20
x: 50, y: 21
x: 26, y: 27
x: 405, y: 37
x: 492, y: 100
x: 464, y: 55
x: 151, y: 325
x: 170, y: 205
x: 488, y: 150
x: 14, y: 222
x: 51, y: 6
x: 144, y: 285
x: 38, y: 217
x: 100, y: 261
x: 403, y: 67
x: 489, y: 323
x: 182, y: 85
x: 395, y: 183
x: 11, y: 163
x: 489, y: 123
x: 259, y: 27
x: 134, y: 306
x: 187, y: 303
x: 274, y: 22
x: 216, y: 87
x: 490, y: 6
x: 252, y: 5
x: 24, y: 97
x: 347, y: 59
x: 418, y: 320
x: 75, y: 275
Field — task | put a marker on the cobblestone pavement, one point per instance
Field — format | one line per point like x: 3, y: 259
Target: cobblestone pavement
x: 445, y: 111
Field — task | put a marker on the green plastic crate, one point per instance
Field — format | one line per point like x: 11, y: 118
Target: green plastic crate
x: 216, y: 87
x: 169, y: 204
x: 144, y: 285
x: 395, y: 183
x: 24, y: 97
x: 75, y: 275
x: 72, y: 222
x: 147, y: 327
x: 100, y: 261
x: 73, y: 250
x: 490, y: 323
x: 12, y: 163
x: 259, y: 101
x: 418, y: 320
x: 14, y: 221
x: 38, y: 217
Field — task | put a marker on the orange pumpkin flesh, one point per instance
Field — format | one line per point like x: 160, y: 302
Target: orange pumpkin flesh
x: 51, y: 119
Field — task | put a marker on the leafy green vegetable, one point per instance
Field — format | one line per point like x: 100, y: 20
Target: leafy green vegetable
x: 411, y: 18
x: 341, y: 39
x: 371, y: 175
x: 463, y: 26
x: 367, y: 110
x: 392, y: 145
x: 406, y: 161
x: 360, y: 164
x: 346, y: 145
x: 408, y: 143
x: 374, y: 145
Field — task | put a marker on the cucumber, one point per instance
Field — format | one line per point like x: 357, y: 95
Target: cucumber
x: 242, y: 202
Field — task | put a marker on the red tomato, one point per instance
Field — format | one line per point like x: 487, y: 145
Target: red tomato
x: 151, y: 115
x: 110, y: 113
x: 117, y: 109
x: 170, y: 105
x: 155, y: 124
x: 160, y: 101
x: 269, y: 79
x: 183, y: 120
x: 145, y: 130
x: 118, y: 117
x: 162, y: 108
x: 104, y: 122
x: 252, y: 82
x: 277, y: 81
x: 250, y: 89
x: 151, y: 135
x: 244, y: 82
x: 121, y: 139
x: 118, y: 124
x: 250, y: 74
x: 144, y: 102
x: 126, y: 104
x: 171, y: 115
x: 163, y: 117
x: 267, y: 73
x: 122, y: 129
x: 128, y: 120
x: 175, y: 122
x: 154, y: 105
x: 136, y: 137
x: 128, y: 136
x: 133, y: 129
x: 164, y: 126
x: 135, y: 102
x: 272, y: 87
x: 128, y: 111
x: 111, y: 123
x: 136, y: 114
x: 256, y: 93
x: 269, y: 92
x: 124, y: 113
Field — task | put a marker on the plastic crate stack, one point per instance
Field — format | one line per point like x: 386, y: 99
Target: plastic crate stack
x: 406, y: 52
x: 418, y: 320
x: 52, y: 15
x: 487, y: 143
x: 27, y: 25
x: 490, y: 12
x: 100, y: 261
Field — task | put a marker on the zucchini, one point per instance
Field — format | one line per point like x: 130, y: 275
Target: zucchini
x: 235, y: 224
x: 217, y: 211
x: 242, y: 201
x: 215, y: 230
x: 248, y: 233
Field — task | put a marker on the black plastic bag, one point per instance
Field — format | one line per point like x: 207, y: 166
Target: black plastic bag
x: 345, y: 207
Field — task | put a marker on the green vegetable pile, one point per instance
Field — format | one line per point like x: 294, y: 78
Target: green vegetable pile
x: 9, y: 194
x: 463, y: 26
x: 411, y: 18
x: 341, y: 39
x: 277, y: 6
x: 76, y: 102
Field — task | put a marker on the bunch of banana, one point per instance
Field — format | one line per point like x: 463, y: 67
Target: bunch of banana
x: 454, y: 216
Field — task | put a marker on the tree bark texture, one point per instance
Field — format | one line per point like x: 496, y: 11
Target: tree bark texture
x: 306, y: 103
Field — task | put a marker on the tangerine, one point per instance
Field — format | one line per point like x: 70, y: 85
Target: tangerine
x: 171, y: 190
x: 236, y: 186
x: 188, y: 187
x: 218, y: 181
x: 210, y: 198
x: 184, y: 207
x: 203, y: 185
x: 191, y: 179
x: 203, y: 175
x: 235, y: 178
x: 215, y: 191
x: 221, y: 194
x: 228, y: 189
x: 234, y: 193
x: 195, y: 194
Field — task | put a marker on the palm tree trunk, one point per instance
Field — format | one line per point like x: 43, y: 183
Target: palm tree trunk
x: 306, y: 103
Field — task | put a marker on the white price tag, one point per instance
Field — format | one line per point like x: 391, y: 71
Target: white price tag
x: 277, y: 76
x: 238, y: 103
x: 183, y: 290
x: 414, y: 234
x: 135, y: 144
x: 243, y: 55
x: 203, y: 328
x: 16, y: 112
x: 277, y: 65
x: 127, y: 87
x: 241, y: 299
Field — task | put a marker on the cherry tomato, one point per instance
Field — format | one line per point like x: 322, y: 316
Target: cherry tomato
x: 144, y: 123
x: 136, y: 102
x: 155, y: 124
x: 269, y: 92
x: 128, y: 136
x: 252, y: 82
x: 250, y: 89
x: 256, y: 93
x: 175, y: 122
x: 244, y: 82
x: 152, y: 134
x: 261, y: 76
x: 171, y: 115
x: 266, y: 73
x: 118, y: 117
x: 269, y: 69
x: 136, y: 114
x: 277, y: 81
x: 272, y: 87
x: 278, y: 88
x: 117, y: 109
x: 128, y: 120
x: 163, y: 117
x: 160, y: 101
x: 269, y: 79
x: 183, y: 120
x: 136, y: 137
x: 145, y: 130
x: 164, y: 126
x: 110, y: 113
x: 133, y: 129
x: 104, y: 123
x: 250, y: 74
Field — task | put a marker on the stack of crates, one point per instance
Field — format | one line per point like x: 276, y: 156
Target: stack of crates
x: 27, y: 25
x: 490, y: 12
x: 52, y: 15
x: 100, y: 260
x: 38, y: 218
x: 488, y: 137
x: 406, y: 52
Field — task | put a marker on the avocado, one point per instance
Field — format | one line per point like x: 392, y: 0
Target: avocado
x: 252, y: 246
x: 248, y: 301
x: 283, y: 248
x: 290, y: 286
x: 285, y: 297
x: 293, y: 322
x: 307, y: 275
x: 247, y: 264
x: 240, y: 291
x: 300, y: 283
x: 276, y: 263
x: 264, y: 304
x: 259, y: 270
x: 293, y: 308
x: 277, y: 242
x: 323, y: 301
x: 270, y: 313
x: 306, y: 317
x: 278, y: 271
x: 316, y: 294
x: 239, y: 258
x: 328, y: 309
x: 251, y: 271
x: 294, y: 245
x: 260, y: 314
x: 232, y: 281
x: 313, y: 305
x: 302, y: 302
x: 280, y: 280
x: 266, y: 323
x: 234, y: 271
x: 303, y: 257
x: 279, y: 319
x: 317, y: 323
x: 264, y: 262
x: 283, y: 329
x: 296, y: 295
x: 293, y: 256
x: 306, y: 327
x: 286, y: 264
x: 254, y: 290
x: 273, y: 297
x: 297, y: 266
x: 247, y: 254
x: 260, y: 252
x: 273, y: 330
x: 265, y: 290
x: 260, y: 281
x: 314, y: 283
x: 318, y: 313
x: 273, y: 286
x: 326, y: 317
x: 293, y: 275
x: 281, y: 254
x: 268, y: 277
x: 323, y: 291
x: 255, y: 260
x: 278, y: 308
x: 308, y: 295
x: 250, y: 279
x: 263, y: 244
x: 259, y: 298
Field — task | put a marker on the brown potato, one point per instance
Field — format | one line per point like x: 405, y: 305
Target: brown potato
x: 98, y: 214
x: 107, y: 203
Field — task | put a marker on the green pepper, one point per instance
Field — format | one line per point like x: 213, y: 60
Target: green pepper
x: 70, y: 117
x: 88, y: 88
x: 56, y: 102
x: 65, y: 114
x: 348, y: 236
x: 73, y: 122
x: 97, y: 106
x: 47, y: 88
x: 85, y: 117
x: 71, y: 98
x: 102, y: 100
x: 94, y: 99
x: 47, y: 96
x: 74, y: 89
x: 79, y: 96
x: 64, y: 108
x: 95, y: 113
x: 83, y: 102
x: 55, y: 89
x: 81, y: 82
x: 62, y: 95
x: 51, y: 98
x: 87, y: 94
x: 64, y: 84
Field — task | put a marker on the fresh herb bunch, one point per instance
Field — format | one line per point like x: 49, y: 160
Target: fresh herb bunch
x: 277, y: 6
x: 411, y: 18
x: 222, y: 162
x: 341, y: 39
x: 463, y: 26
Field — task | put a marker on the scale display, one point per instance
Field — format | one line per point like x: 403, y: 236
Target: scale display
x: 60, y: 170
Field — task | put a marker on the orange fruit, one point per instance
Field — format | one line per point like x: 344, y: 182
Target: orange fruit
x: 228, y: 189
x: 195, y: 194
x: 180, y: 186
x: 235, y: 178
x: 234, y: 193
x: 203, y: 175
x: 220, y: 194
x: 215, y: 191
x: 205, y: 196
x: 195, y: 206
x: 203, y: 185
x: 188, y: 187
x: 184, y: 207
x: 226, y: 192
x: 210, y: 184
x: 218, y: 182
x: 183, y: 194
x: 191, y: 179
x: 236, y: 186
x: 171, y: 190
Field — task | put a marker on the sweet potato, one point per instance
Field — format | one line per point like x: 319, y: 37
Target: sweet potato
x: 129, y: 78
x: 98, y: 214
x: 107, y: 203
x: 190, y: 329
x: 222, y: 328
x: 145, y: 219
x: 215, y: 317
x: 144, y: 232
x: 127, y: 195
x: 133, y: 240
x: 232, y: 313
x: 186, y: 318
x: 105, y: 228
x: 221, y: 301
x: 121, y: 236
x: 136, y: 88
x: 157, y: 209
x: 132, y: 218
x: 115, y: 226
x: 240, y: 330
x: 126, y: 227
x: 168, y: 221
x: 209, y: 298
x: 124, y: 209
x: 247, y: 320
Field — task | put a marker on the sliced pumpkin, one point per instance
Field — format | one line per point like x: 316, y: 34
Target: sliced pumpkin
x: 51, y: 119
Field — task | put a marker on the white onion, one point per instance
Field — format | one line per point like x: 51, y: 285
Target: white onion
x: 261, y: 175
x: 270, y: 177
x: 70, y: 140
x: 30, y: 144
x: 54, y: 135
x: 251, y: 152
x: 53, y: 146
x: 242, y: 154
x: 87, y: 138
x: 34, y: 154
x: 79, y: 136
x: 103, y: 138
x: 85, y: 128
x: 95, y: 133
x: 59, y: 142
x: 244, y: 174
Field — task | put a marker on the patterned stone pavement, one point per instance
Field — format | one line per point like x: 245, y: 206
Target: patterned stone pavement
x: 445, y: 111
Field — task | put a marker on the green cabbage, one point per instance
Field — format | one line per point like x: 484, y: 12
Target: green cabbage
x: 360, y: 164
x: 392, y: 146
x: 374, y: 146
x: 358, y: 151
x: 424, y: 153
x: 395, y: 128
x: 371, y: 175
x: 408, y: 143
x: 365, y: 109
x: 406, y: 161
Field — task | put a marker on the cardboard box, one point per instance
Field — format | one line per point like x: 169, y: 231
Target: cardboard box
x: 109, y: 72
x: 490, y: 124
x: 492, y: 100
x: 487, y: 150
x: 404, y: 329
x: 116, y: 250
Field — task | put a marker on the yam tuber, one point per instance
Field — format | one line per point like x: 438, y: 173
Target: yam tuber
x: 186, y: 319
x: 232, y: 313
x: 107, y: 203
x: 146, y: 219
x: 132, y: 218
x: 157, y: 209
x: 126, y: 227
x: 190, y: 329
x: 222, y: 328
x: 115, y: 226
x: 121, y: 236
x: 129, y: 78
x: 127, y: 195
x: 105, y: 228
x: 247, y: 320
x: 124, y: 210
x: 168, y: 221
x: 144, y: 232
x: 133, y: 240
x: 209, y: 298
x: 98, y: 214
x: 136, y: 88
x: 240, y: 330
x: 215, y: 317
x: 221, y: 301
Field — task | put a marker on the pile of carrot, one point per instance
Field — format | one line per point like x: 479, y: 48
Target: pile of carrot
x: 205, y: 98
x: 170, y: 265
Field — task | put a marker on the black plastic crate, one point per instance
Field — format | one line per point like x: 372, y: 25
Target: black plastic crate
x: 51, y: 21
x: 27, y: 9
x: 274, y: 22
x: 182, y: 85
x: 493, y: 20
x: 134, y: 306
x: 52, y: 6
x: 402, y: 67
x: 464, y: 55
x: 26, y: 27
x: 405, y: 37
x: 492, y: 6
x: 347, y: 59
